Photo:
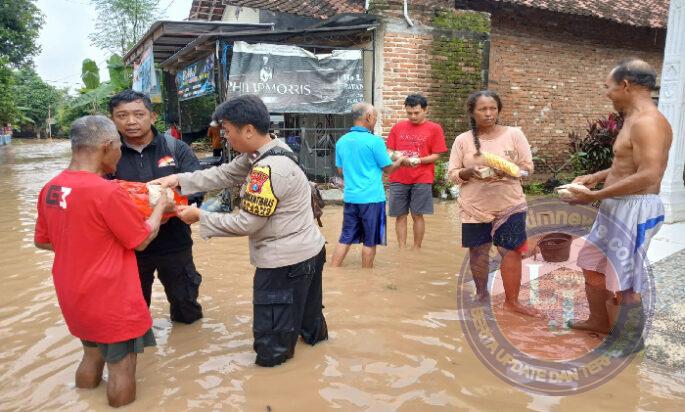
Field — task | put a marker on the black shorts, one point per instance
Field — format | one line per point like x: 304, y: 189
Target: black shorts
x: 511, y: 235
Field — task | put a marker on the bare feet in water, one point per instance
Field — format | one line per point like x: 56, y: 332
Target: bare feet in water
x: 591, y: 325
x: 524, y: 310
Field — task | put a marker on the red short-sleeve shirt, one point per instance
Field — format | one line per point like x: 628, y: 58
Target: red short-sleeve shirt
x: 93, y: 228
x: 414, y: 140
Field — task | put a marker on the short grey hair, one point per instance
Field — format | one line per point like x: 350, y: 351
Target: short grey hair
x: 92, y: 131
x: 635, y: 71
x: 359, y: 110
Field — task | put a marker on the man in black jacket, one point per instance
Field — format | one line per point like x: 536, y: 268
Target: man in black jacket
x: 146, y: 155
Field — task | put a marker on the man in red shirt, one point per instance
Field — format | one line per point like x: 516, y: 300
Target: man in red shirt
x: 93, y: 227
x: 420, y: 141
x: 173, y: 130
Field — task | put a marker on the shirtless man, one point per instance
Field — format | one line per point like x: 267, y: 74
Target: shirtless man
x: 631, y: 212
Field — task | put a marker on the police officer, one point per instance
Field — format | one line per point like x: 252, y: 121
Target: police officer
x: 146, y: 155
x: 286, y: 245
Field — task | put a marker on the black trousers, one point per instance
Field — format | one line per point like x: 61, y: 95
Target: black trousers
x: 287, y: 304
x: 180, y: 279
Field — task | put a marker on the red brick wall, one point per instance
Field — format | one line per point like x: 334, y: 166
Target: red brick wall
x: 443, y: 72
x: 548, y: 67
x: 551, y: 78
x: 409, y: 59
x: 406, y: 70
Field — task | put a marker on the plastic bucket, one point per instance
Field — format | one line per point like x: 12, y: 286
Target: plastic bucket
x: 555, y: 247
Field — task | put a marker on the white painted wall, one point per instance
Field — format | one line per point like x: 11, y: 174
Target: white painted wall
x: 235, y: 14
x: 672, y: 105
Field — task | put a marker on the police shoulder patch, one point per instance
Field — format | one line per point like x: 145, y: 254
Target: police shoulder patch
x: 259, y: 198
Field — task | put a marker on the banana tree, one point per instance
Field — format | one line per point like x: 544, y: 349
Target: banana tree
x: 22, y: 116
x: 95, y: 93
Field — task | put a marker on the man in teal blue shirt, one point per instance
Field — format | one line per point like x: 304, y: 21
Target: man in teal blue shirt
x: 361, y: 158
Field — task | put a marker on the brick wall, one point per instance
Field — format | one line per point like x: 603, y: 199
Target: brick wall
x: 548, y: 67
x: 440, y: 63
x: 550, y: 71
x: 427, y: 64
x: 406, y: 70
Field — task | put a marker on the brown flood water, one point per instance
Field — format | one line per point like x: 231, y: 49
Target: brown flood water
x: 395, y: 339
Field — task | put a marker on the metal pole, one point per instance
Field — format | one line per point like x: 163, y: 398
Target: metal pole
x: 373, y: 67
x: 303, y: 142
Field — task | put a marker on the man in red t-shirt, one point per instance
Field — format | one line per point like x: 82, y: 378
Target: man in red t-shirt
x: 93, y: 227
x: 411, y: 187
x: 173, y: 130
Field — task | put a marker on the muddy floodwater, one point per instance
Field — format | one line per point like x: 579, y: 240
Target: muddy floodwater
x: 395, y: 339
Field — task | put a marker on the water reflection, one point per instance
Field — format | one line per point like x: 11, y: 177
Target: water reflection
x: 395, y: 338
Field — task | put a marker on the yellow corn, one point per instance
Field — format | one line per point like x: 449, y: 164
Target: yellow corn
x: 499, y: 163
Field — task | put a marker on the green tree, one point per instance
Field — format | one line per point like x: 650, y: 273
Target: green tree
x: 95, y: 94
x: 8, y: 108
x: 90, y: 74
x: 93, y: 98
x: 67, y: 113
x: 35, y: 99
x: 121, y: 23
x: 20, y: 22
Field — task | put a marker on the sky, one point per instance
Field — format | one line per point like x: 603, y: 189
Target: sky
x: 64, y: 39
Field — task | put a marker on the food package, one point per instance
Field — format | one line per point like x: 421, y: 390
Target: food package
x: 500, y: 163
x: 155, y: 191
x: 141, y: 197
x: 564, y: 192
x: 395, y: 155
x: 483, y: 172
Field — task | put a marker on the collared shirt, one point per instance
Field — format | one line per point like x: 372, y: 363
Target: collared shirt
x: 362, y: 156
x: 154, y: 161
x: 282, y: 236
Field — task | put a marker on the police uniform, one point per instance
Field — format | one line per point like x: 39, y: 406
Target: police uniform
x: 286, y: 246
x: 170, y: 253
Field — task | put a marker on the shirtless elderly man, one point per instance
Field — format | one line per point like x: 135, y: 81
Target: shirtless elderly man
x: 630, y: 214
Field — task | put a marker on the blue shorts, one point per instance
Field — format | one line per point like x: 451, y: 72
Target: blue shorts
x: 511, y: 235
x: 364, y: 223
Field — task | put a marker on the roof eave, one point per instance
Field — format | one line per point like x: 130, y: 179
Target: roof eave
x: 202, y: 41
x: 158, y: 29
